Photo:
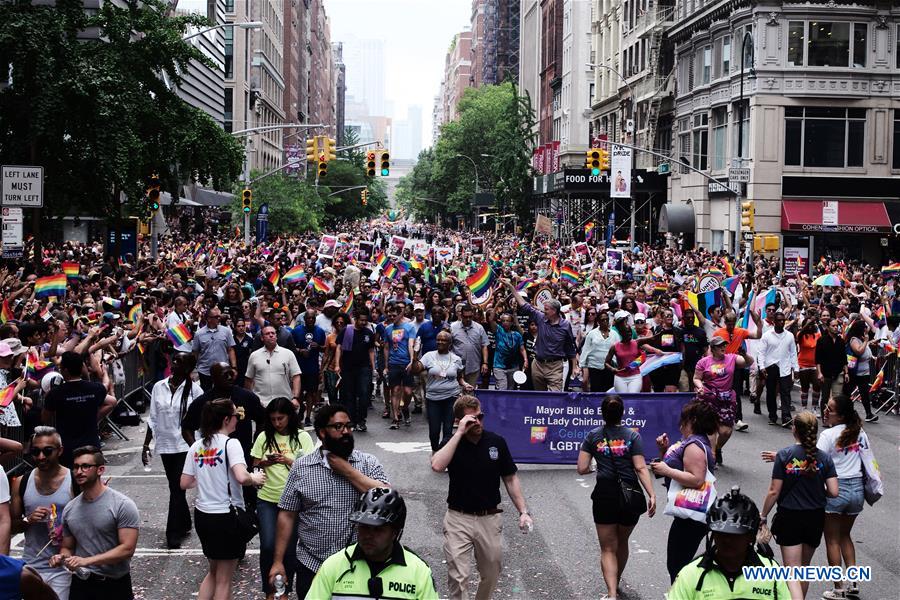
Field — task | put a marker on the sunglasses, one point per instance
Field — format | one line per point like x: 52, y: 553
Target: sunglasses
x: 480, y: 416
x: 46, y: 450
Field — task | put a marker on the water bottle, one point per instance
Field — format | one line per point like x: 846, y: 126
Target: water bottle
x: 279, y: 586
x: 258, y: 470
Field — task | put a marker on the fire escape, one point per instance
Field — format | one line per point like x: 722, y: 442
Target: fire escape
x: 658, y: 80
x: 501, y: 41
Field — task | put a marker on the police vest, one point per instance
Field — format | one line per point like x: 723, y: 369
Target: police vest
x: 345, y: 575
x: 703, y: 580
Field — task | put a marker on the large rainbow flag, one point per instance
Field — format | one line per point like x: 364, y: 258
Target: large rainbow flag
x: 294, y: 275
x: 52, y: 285
x: 569, y: 273
x: 71, y: 269
x: 481, y: 280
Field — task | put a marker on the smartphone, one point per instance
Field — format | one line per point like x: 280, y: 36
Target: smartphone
x: 271, y: 456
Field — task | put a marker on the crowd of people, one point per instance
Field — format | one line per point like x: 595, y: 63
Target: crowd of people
x: 286, y: 347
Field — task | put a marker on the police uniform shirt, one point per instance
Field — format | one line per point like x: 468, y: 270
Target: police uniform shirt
x: 475, y: 473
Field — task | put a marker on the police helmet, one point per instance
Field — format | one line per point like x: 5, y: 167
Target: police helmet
x: 733, y: 513
x: 380, y: 506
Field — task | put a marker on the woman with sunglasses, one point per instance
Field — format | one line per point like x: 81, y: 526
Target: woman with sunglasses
x: 218, y: 469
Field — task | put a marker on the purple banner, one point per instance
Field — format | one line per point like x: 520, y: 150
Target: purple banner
x: 548, y: 427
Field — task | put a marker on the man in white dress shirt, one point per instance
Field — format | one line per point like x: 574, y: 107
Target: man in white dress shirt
x: 779, y: 367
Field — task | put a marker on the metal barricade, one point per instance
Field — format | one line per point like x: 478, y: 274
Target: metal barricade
x: 15, y: 465
x: 136, y: 368
x: 886, y: 399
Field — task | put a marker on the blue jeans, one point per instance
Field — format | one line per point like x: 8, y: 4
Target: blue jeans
x: 268, y: 523
x: 440, y: 416
x: 355, y: 393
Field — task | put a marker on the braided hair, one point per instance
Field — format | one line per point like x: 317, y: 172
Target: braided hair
x: 806, y: 428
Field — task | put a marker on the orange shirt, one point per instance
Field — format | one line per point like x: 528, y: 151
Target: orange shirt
x: 806, y: 346
x: 734, y: 339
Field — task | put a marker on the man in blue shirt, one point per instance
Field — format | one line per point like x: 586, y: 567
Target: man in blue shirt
x: 310, y: 339
x: 399, y: 337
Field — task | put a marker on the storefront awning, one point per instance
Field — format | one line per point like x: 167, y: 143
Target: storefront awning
x: 834, y: 216
x: 676, y: 218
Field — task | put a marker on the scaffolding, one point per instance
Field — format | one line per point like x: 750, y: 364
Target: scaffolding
x: 501, y: 41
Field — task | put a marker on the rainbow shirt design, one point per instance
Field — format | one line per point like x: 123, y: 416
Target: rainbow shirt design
x: 612, y: 447
x: 854, y: 447
x: 208, y: 456
x: 798, y: 467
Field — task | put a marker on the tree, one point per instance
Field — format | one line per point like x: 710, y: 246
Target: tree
x: 294, y: 205
x: 97, y: 114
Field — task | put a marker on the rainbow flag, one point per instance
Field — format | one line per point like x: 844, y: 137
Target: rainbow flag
x: 731, y: 284
x: 179, y: 334
x: 892, y: 270
x: 745, y: 319
x: 702, y: 303
x: 7, y: 395
x: 294, y: 275
x: 348, y: 304
x: 45, y: 313
x: 135, y: 313
x: 569, y: 273
x: 112, y: 303
x: 727, y: 267
x: 52, y: 285
x: 481, y: 280
x: 417, y: 264
x: 525, y: 284
x: 6, y: 313
x: 659, y: 288
x: 390, y: 271
x: 879, y: 313
x: 381, y: 260
x: 321, y: 285
x: 35, y: 368
x: 403, y: 265
x: 221, y: 248
x: 275, y: 277
x: 714, y: 271
x: 879, y: 381
x: 637, y: 362
x: 589, y: 231
x: 226, y: 271
x: 71, y: 269
x: 198, y: 249
x: 554, y: 268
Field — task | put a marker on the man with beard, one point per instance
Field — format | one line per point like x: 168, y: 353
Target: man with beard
x: 321, y: 492
x: 476, y: 461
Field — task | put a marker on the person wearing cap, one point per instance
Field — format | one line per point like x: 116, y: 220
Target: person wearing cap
x: 324, y: 320
x: 378, y: 565
x: 733, y: 521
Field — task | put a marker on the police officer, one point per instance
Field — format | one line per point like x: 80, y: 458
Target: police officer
x: 377, y: 566
x: 718, y: 573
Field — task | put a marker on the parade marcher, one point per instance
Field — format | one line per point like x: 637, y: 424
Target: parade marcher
x: 509, y: 355
x: 272, y: 371
x: 443, y: 384
x: 100, y: 533
x: 476, y: 460
x: 470, y: 343
x: 329, y: 365
x: 243, y: 346
x: 310, y: 341
x: 695, y: 346
x: 733, y: 521
x: 831, y: 364
x: 354, y: 364
x: 618, y: 452
x: 218, y: 470
x: 377, y: 566
x: 169, y: 403
x: 38, y: 499
x: 592, y: 359
x: 399, y: 341
x: 802, y: 477
x: 779, y: 367
x: 320, y: 493
x: 859, y: 351
x: 181, y: 315
x: 807, y: 339
x: 626, y: 352
x: 738, y: 340
x: 212, y: 343
x: 281, y: 442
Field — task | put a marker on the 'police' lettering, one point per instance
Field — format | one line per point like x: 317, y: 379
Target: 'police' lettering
x: 406, y: 588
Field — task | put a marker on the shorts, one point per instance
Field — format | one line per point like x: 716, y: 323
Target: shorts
x: 794, y: 527
x: 309, y: 382
x: 216, y: 533
x: 398, y: 375
x: 607, y: 505
x: 850, y: 497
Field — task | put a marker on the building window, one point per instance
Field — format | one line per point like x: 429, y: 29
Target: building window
x: 229, y: 52
x: 824, y: 137
x: 229, y: 6
x: 707, y: 64
x: 860, y: 31
x: 229, y: 109
x: 720, y: 127
x: 684, y: 145
x: 726, y: 55
x: 897, y: 52
x: 827, y: 44
x: 741, y: 129
x: 796, y: 43
x: 897, y: 139
x: 717, y: 240
x: 701, y: 141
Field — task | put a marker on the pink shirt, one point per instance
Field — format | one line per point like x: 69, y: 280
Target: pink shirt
x: 717, y: 375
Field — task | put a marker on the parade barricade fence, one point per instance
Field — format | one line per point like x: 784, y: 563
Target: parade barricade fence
x: 549, y: 427
x: 132, y: 391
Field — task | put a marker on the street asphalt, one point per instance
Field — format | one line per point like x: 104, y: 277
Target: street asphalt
x: 559, y: 559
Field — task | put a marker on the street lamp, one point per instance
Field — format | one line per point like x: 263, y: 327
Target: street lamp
x: 245, y: 25
x: 748, y: 37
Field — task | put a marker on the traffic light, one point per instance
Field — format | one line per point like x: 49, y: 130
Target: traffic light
x: 370, y: 164
x: 323, y: 166
x: 365, y: 197
x: 153, y: 193
x: 747, y: 214
x: 592, y: 161
x: 604, y: 159
x: 385, y: 163
x: 330, y: 148
x: 311, y: 150
x: 246, y: 200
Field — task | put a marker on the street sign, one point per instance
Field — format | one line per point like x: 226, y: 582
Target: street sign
x: 739, y: 175
x: 13, y: 245
x: 23, y: 186
x: 748, y: 236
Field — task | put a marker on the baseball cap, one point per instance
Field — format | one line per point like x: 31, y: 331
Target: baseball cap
x: 15, y: 346
x: 622, y: 314
x: 717, y: 340
x: 5, y: 350
x: 332, y: 304
x: 419, y: 306
x: 640, y: 317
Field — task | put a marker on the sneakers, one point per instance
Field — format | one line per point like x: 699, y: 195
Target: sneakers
x: 395, y: 425
x: 362, y: 427
x: 872, y: 418
x: 834, y: 594
x: 773, y: 422
x: 741, y: 426
x: 385, y: 415
x: 852, y: 589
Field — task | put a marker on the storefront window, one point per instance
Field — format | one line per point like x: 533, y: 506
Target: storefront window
x: 824, y: 137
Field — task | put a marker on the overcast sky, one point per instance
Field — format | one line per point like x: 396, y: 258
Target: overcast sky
x: 417, y: 34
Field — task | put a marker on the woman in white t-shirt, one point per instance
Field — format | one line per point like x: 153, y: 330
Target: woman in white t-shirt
x: 842, y: 441
x: 215, y: 465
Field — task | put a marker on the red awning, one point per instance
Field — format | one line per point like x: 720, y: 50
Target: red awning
x: 852, y: 217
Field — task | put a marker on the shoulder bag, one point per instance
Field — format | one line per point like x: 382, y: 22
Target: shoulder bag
x: 246, y: 523
x: 631, y: 498
x: 691, y: 503
x: 873, y: 486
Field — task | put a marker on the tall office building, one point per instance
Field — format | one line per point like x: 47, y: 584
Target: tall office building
x: 365, y: 60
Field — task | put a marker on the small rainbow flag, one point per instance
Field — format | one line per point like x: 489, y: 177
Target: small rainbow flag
x: 731, y: 284
x: 179, y: 334
x: 221, y: 248
x: 390, y: 271
x: 275, y: 277
x: 569, y: 273
x: 659, y: 288
x: 6, y: 313
x: 198, y: 248
x: 135, y: 313
x: 71, y: 269
x: 35, y: 367
x: 879, y: 381
x: 112, y: 303
x: 381, y: 260
x: 348, y: 304
x: 7, y: 395
x: 525, y: 284
x: 296, y: 274
x: 481, y: 280
x: 637, y: 362
x: 589, y: 231
x: 226, y: 271
x: 321, y: 285
x: 418, y: 265
x: 727, y: 268
x: 403, y: 265
x: 892, y: 270
x: 715, y: 271
x: 52, y: 285
x: 554, y: 268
